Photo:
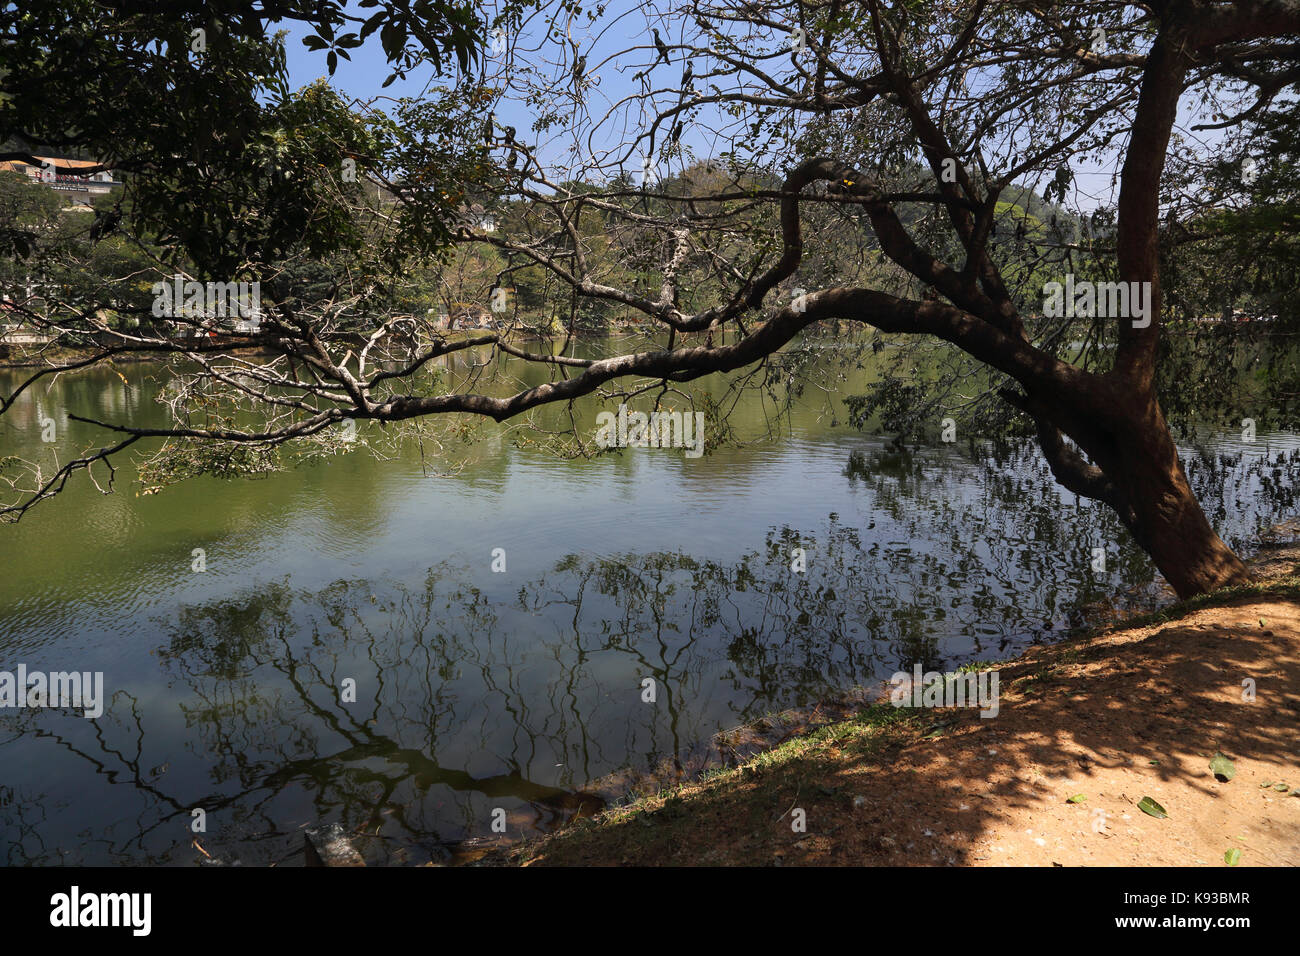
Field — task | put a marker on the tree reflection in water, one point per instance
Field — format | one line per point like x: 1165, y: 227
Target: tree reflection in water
x: 469, y: 699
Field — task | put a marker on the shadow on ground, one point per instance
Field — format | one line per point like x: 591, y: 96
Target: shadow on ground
x: 1117, y: 717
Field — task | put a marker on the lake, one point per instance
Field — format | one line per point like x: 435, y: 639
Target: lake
x: 349, y: 654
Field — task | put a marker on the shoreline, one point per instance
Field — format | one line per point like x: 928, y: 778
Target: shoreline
x: 676, y: 815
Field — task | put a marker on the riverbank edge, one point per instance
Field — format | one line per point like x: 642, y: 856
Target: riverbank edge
x: 652, y: 827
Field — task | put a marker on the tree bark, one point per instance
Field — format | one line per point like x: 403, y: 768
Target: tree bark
x: 1138, y: 473
x: 1156, y: 502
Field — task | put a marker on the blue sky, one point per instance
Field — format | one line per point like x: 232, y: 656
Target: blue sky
x: 623, y: 25
x: 362, y: 77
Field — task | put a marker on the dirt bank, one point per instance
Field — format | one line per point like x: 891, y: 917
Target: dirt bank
x: 1137, y: 710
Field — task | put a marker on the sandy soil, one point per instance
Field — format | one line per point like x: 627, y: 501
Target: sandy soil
x: 1121, y: 716
x: 1137, y: 714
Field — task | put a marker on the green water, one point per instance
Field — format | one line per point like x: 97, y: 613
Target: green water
x: 479, y: 689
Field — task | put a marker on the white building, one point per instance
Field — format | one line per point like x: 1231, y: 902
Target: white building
x: 79, y: 188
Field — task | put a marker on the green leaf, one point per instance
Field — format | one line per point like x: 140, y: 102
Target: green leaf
x: 1232, y: 857
x: 1077, y: 798
x: 372, y: 24
x: 1151, y: 808
x: 1223, y: 768
x: 392, y: 37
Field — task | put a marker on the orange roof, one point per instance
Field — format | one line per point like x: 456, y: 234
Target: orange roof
x: 74, y: 163
x: 19, y: 165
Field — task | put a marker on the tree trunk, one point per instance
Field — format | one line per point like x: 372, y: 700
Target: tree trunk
x: 1172, y: 528
x: 1158, y: 506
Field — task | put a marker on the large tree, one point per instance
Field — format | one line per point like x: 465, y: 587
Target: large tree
x: 920, y: 134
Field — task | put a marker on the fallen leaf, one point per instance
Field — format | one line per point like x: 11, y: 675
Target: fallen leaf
x: 1151, y: 808
x: 1223, y: 768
